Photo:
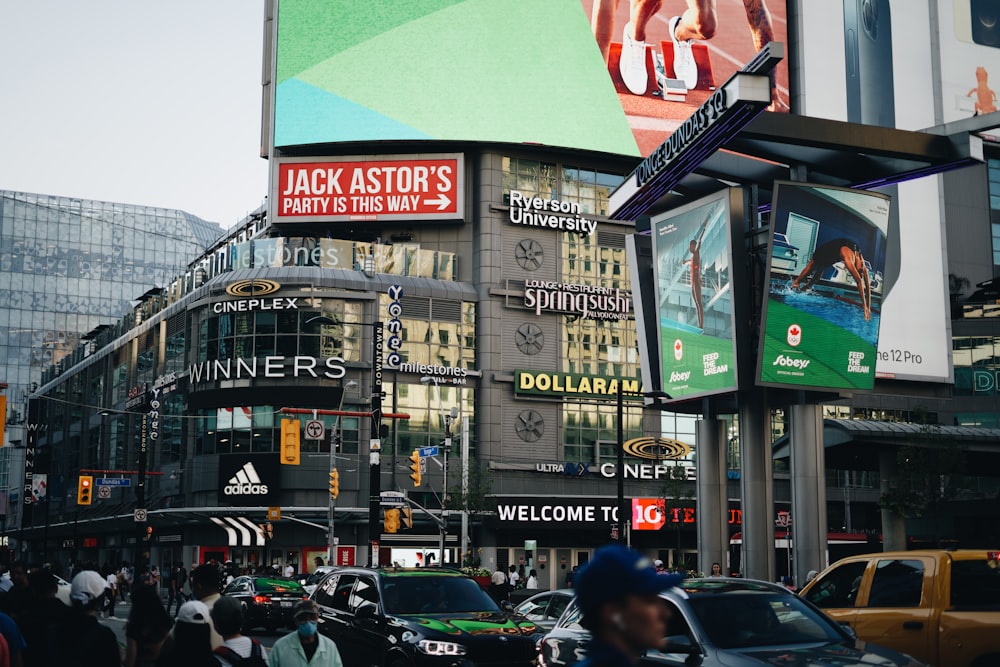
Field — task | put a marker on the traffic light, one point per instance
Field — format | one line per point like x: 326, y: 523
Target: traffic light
x: 84, y: 490
x: 290, y: 442
x: 415, y: 467
x: 334, y: 483
x: 149, y: 534
x: 407, y: 514
x: 391, y: 522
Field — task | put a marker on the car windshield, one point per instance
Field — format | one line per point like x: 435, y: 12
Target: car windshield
x: 279, y: 586
x: 416, y: 594
x: 744, y: 619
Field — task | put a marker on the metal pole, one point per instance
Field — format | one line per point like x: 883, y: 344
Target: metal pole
x: 465, y: 488
x: 375, y: 446
x: 444, y: 471
x: 331, y: 541
x: 620, y: 462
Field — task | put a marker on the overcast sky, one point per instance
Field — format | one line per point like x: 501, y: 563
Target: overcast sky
x: 142, y: 102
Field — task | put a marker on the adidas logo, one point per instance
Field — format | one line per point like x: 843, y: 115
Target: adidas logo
x: 246, y: 482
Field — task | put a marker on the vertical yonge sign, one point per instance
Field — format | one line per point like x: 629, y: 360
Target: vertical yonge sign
x: 692, y: 270
x: 383, y: 188
x: 826, y: 266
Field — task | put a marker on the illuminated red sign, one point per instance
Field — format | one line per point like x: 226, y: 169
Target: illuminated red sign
x: 390, y: 189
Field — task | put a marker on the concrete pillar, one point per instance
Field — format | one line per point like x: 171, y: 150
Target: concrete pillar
x: 893, y: 525
x: 808, y: 472
x: 756, y: 486
x: 713, y: 524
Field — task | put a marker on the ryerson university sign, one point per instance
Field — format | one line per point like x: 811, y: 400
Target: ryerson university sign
x: 552, y: 213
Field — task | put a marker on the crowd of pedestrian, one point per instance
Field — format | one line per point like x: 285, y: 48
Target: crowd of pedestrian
x: 192, y: 625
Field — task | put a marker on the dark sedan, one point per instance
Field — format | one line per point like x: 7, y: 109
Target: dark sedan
x: 420, y: 617
x: 267, y: 602
x: 724, y: 622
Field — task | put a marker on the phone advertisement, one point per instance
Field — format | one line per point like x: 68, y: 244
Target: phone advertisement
x: 826, y: 268
x: 909, y: 66
x: 692, y: 259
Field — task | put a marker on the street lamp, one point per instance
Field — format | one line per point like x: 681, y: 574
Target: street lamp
x: 375, y: 437
x: 331, y: 541
x: 620, y: 452
x: 449, y: 418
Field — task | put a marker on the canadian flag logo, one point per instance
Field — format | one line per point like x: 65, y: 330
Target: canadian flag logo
x: 794, y: 336
x: 678, y: 349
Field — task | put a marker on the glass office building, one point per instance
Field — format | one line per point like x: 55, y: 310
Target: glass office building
x: 69, y: 266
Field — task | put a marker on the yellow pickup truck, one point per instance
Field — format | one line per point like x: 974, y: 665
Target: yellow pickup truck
x: 939, y: 606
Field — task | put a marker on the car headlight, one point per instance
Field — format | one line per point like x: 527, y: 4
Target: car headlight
x: 433, y: 647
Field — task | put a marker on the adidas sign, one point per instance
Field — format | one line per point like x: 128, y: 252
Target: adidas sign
x: 246, y: 482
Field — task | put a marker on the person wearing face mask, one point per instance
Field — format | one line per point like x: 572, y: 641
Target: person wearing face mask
x: 305, y: 646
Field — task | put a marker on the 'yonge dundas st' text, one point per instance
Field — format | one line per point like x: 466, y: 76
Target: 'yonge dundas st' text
x: 365, y: 190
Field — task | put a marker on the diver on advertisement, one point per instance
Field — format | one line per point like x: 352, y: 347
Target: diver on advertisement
x: 694, y: 261
x: 827, y: 255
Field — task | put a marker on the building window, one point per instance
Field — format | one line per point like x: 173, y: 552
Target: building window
x: 590, y: 430
x: 589, y: 188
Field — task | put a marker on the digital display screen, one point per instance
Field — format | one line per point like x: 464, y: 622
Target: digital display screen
x: 827, y: 277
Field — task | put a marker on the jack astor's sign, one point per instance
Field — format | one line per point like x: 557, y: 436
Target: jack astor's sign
x: 574, y: 384
x: 587, y: 301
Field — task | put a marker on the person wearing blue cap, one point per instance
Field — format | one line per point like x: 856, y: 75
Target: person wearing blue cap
x: 618, y: 595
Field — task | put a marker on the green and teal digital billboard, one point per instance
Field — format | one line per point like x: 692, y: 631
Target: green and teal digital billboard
x: 692, y: 274
x: 827, y: 278
x: 544, y: 72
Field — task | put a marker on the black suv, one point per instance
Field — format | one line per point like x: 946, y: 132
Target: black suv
x: 400, y: 617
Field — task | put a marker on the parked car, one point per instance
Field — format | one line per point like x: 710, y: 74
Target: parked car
x: 267, y: 602
x: 403, y: 617
x: 310, y: 581
x: 544, y: 608
x: 940, y: 606
x: 724, y: 622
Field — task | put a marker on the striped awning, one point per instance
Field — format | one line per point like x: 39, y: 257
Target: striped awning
x: 241, y: 531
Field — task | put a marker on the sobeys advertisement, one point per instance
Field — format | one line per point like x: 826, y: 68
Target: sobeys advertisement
x: 692, y: 255
x: 827, y: 280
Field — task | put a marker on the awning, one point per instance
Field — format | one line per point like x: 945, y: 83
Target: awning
x: 241, y: 531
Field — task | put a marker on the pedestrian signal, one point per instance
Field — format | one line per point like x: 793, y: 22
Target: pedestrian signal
x: 407, y: 517
x: 415, y: 473
x: 84, y: 490
x: 290, y: 441
x: 334, y: 483
x: 391, y: 522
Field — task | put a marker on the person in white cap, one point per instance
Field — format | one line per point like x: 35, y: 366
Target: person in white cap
x: 87, y: 642
x: 191, y: 642
x: 305, y: 647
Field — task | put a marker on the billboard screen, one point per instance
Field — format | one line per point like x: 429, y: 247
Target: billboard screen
x: 692, y: 270
x: 515, y: 71
x: 867, y: 61
x: 826, y: 267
